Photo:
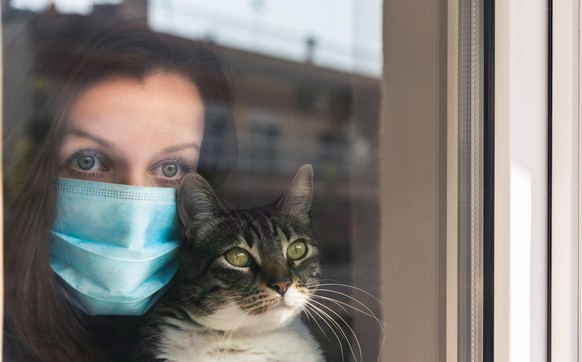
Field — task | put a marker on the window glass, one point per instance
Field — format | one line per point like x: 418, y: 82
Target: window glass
x: 306, y: 80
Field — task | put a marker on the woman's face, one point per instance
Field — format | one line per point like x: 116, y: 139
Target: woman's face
x: 135, y: 132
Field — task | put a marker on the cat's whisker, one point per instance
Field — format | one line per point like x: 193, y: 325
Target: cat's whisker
x: 333, y: 327
x: 225, y: 334
x: 342, y: 304
x: 179, y: 300
x: 355, y: 300
x: 233, y: 331
x: 229, y: 334
x: 219, y: 348
x: 235, y: 328
x: 187, y: 298
x: 317, y: 312
x: 312, y: 286
x: 338, y: 303
x: 225, y: 299
x: 325, y: 316
x: 312, y: 317
x: 347, y: 325
x: 359, y: 290
x: 369, y: 313
x: 193, y: 316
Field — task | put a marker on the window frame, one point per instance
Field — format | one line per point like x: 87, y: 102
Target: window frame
x: 413, y: 183
x: 566, y: 216
x: 521, y: 182
x: 518, y: 245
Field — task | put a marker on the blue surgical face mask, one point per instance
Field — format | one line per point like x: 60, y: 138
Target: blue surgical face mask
x: 114, y: 246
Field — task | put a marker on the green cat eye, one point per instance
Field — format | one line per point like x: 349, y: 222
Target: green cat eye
x: 238, y: 257
x: 296, y: 250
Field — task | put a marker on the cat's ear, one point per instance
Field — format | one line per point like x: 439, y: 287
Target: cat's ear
x: 198, y: 205
x: 297, y: 199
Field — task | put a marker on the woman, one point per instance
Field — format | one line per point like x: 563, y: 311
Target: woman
x: 124, y: 106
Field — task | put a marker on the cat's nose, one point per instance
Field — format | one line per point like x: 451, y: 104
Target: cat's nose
x: 281, y: 287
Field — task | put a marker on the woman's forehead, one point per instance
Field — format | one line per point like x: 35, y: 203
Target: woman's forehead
x: 161, y: 105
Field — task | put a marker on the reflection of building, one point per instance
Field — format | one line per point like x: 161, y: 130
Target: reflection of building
x: 291, y: 113
x: 288, y: 114
x: 308, y: 109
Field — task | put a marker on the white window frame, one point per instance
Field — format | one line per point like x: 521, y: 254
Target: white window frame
x: 521, y: 133
x: 565, y: 208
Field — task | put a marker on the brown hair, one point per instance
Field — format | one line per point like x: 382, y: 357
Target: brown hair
x: 74, y: 53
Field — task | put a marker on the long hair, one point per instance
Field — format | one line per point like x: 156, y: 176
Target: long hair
x: 74, y: 54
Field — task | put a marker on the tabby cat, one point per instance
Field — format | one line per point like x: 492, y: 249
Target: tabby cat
x: 244, y: 277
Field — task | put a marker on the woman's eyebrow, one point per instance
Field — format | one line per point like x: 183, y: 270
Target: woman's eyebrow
x: 180, y: 147
x: 87, y: 135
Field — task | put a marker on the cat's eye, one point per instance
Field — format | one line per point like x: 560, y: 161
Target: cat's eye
x: 296, y: 250
x: 238, y: 257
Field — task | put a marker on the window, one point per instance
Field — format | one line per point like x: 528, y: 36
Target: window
x: 307, y: 91
x: 444, y: 139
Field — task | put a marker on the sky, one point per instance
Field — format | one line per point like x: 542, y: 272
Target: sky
x: 65, y: 6
x: 346, y: 33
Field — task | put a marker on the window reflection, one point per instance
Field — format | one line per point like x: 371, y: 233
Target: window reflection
x: 307, y: 93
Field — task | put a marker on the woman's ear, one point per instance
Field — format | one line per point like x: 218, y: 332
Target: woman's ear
x: 198, y: 205
x: 297, y: 198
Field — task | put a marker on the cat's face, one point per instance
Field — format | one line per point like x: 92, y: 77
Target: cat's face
x: 246, y: 269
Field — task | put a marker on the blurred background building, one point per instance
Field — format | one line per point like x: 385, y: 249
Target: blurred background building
x: 292, y: 107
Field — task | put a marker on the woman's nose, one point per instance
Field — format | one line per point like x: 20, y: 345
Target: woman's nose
x: 132, y: 178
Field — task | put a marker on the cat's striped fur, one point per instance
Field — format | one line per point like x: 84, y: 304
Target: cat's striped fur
x: 218, y: 311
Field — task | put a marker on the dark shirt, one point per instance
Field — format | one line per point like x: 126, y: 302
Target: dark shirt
x: 117, y: 335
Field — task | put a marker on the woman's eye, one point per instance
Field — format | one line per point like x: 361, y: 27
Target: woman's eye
x: 170, y: 169
x: 84, y: 162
